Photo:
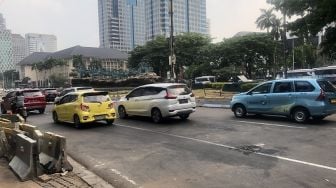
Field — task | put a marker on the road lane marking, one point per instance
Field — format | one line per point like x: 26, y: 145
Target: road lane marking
x: 271, y: 124
x: 123, y: 176
x: 233, y: 148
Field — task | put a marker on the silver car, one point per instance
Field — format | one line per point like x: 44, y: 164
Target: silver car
x: 158, y: 101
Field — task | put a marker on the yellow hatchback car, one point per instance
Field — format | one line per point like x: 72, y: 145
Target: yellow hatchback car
x: 84, y: 107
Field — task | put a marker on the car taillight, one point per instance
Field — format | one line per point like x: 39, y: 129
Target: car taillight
x: 110, y: 106
x: 169, y: 96
x: 84, y: 107
x: 25, y: 100
x: 322, y: 96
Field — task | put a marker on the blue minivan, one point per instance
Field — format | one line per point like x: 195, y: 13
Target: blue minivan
x: 298, y: 99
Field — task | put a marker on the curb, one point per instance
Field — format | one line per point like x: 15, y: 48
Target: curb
x: 225, y: 106
x: 87, y: 176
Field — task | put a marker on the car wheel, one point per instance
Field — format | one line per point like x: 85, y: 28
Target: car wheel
x: 109, y: 121
x: 41, y: 111
x: 239, y: 111
x: 122, y: 112
x: 184, y: 116
x: 55, y: 117
x: 77, y: 122
x: 300, y: 115
x: 156, y: 115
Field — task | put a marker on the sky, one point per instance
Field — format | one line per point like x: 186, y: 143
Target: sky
x: 75, y: 22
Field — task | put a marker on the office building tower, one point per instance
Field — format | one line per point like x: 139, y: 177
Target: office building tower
x: 40, y: 43
x: 6, y: 52
x: 121, y: 24
x: 19, y: 48
x: 124, y: 24
x: 188, y: 16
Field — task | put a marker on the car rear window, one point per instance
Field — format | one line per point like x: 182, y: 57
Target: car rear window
x: 179, y: 90
x: 32, y: 93
x: 95, y: 97
x: 326, y: 86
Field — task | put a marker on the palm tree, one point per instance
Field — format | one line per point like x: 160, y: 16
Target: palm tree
x: 265, y: 20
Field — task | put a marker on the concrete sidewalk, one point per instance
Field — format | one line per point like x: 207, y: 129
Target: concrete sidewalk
x: 8, y: 178
x: 80, y: 177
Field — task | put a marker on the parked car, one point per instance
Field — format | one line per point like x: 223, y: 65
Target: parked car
x: 84, y: 107
x: 50, y: 94
x: 33, y: 100
x: 72, y: 89
x: 158, y: 101
x: 298, y: 99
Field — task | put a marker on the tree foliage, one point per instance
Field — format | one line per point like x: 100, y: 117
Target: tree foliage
x: 314, y: 16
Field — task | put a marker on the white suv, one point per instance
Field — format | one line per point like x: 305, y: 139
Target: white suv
x: 158, y: 101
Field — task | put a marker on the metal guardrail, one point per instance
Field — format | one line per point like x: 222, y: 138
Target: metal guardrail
x: 30, y: 152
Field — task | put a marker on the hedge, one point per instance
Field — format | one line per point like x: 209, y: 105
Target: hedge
x: 239, y: 87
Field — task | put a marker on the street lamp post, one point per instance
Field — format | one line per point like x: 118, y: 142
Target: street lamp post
x: 172, y: 58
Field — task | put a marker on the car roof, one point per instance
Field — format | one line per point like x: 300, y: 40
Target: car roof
x: 296, y: 79
x: 162, y: 85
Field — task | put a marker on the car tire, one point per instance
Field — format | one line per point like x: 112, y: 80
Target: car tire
x: 300, y: 115
x: 109, y: 121
x: 41, y: 111
x: 122, y: 112
x: 156, y: 115
x: 239, y: 111
x: 184, y: 116
x: 77, y: 122
x: 55, y: 117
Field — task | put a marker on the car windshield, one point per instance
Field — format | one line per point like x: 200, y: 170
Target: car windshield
x: 179, y: 90
x: 32, y: 93
x: 326, y: 86
x: 95, y: 97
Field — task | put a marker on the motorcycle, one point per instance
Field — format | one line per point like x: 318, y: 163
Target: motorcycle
x: 19, y: 108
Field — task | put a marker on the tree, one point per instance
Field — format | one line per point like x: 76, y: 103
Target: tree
x: 315, y: 16
x: 249, y: 54
x: 266, y: 19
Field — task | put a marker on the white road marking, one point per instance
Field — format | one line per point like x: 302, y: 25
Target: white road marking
x: 271, y: 124
x: 234, y: 148
x: 123, y: 176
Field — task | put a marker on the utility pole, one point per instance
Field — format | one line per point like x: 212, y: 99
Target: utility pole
x: 284, y: 37
x: 172, y: 57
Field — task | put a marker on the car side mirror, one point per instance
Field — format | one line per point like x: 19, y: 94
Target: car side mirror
x: 127, y: 97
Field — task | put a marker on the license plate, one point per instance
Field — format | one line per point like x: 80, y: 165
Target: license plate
x: 100, y: 117
x: 333, y: 101
x: 183, y: 101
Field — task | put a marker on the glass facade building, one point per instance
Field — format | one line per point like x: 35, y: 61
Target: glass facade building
x: 124, y: 24
x: 121, y: 24
x: 6, y: 51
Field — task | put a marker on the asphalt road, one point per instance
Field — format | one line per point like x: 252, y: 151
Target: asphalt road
x: 211, y: 149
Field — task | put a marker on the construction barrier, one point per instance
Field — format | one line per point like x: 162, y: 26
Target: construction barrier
x: 52, y: 155
x: 31, y: 153
x: 23, y: 162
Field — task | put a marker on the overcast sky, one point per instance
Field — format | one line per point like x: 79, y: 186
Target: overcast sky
x: 75, y: 22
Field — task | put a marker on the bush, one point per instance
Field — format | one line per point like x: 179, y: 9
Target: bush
x: 239, y: 87
x: 247, y: 86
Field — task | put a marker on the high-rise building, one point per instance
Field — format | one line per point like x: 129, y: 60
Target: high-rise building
x: 121, y: 24
x: 19, y: 48
x: 6, y: 52
x: 124, y: 24
x: 188, y: 16
x: 40, y: 43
